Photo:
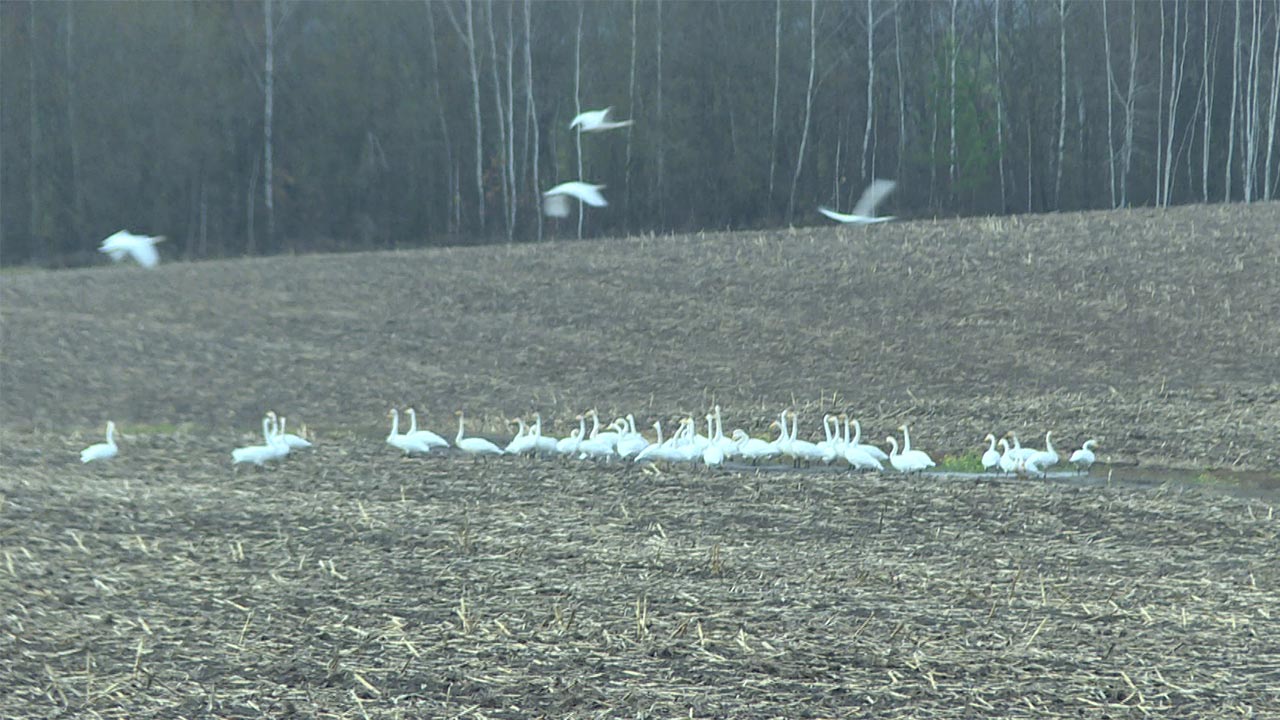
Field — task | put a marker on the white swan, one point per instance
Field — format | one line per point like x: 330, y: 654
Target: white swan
x: 909, y: 461
x: 555, y: 202
x: 569, y: 445
x: 631, y: 443
x: 432, y: 439
x: 597, y: 121
x: 276, y: 441
x: 871, y: 450
x: 294, y: 442
x: 544, y: 444
x: 409, y: 445
x: 523, y: 442
x: 1084, y: 458
x: 474, y: 446
x: 713, y: 456
x: 141, y: 247
x: 990, y: 458
x: 754, y: 449
x: 1046, y: 458
x: 1019, y: 452
x: 256, y: 454
x: 652, y: 451
x: 1008, y: 463
x: 103, y: 450
x: 803, y: 449
x: 864, y: 212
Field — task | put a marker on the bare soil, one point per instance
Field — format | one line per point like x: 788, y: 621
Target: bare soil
x: 349, y: 582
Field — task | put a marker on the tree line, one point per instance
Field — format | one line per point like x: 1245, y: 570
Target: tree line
x: 282, y: 126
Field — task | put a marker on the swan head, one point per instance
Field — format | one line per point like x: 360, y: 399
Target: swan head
x: 990, y: 437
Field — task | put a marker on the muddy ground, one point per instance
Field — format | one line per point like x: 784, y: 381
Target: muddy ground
x: 348, y: 582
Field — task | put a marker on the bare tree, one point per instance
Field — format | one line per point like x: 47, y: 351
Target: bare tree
x: 1251, y: 104
x: 1235, y: 90
x: 1208, y: 68
x: 1129, y: 102
x: 268, y: 116
x: 808, y: 105
x: 1111, y: 91
x: 1000, y: 118
x: 1177, y: 67
x: 1160, y: 109
x: 34, y: 171
x: 631, y: 105
x: 659, y: 129
x: 871, y: 79
x: 773, y: 125
x: 532, y: 106
x: 577, y: 104
x: 955, y: 52
x: 468, y: 37
x: 501, y: 115
x: 1268, y: 189
x: 73, y: 137
x: 453, y: 208
x: 1062, y: 114
x: 902, y: 95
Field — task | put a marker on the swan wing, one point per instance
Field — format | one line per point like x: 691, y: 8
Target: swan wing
x: 145, y: 253
x: 872, y: 196
x: 838, y: 217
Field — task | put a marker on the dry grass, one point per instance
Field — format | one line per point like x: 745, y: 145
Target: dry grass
x: 350, y: 583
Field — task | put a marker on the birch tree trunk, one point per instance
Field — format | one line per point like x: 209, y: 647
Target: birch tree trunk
x: 661, y: 137
x: 511, y: 124
x: 268, y: 118
x: 577, y: 105
x: 470, y: 42
x: 34, y: 231
x: 73, y: 141
x: 1111, y: 92
x: 1160, y: 111
x: 808, y: 106
x: 1235, y: 92
x: 1251, y: 105
x: 501, y: 115
x: 955, y: 51
x: 773, y: 125
x: 1268, y: 190
x: 1062, y: 103
x: 631, y: 108
x: 871, y: 79
x: 1208, y: 67
x: 1000, y: 121
x: 1130, y: 95
x: 902, y: 96
x: 1176, y: 73
x: 532, y: 106
x: 452, y: 208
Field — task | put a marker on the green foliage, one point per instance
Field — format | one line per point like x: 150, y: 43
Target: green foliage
x: 969, y: 462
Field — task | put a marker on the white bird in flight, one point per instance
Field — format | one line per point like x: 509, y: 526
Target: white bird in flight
x: 141, y: 247
x: 864, y: 213
x: 555, y: 202
x: 597, y: 121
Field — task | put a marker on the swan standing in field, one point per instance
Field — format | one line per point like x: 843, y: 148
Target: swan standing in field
x: 555, y: 202
x: 409, y: 445
x: 474, y: 446
x: 631, y: 443
x: 275, y: 441
x: 1084, y: 458
x: 871, y: 450
x: 293, y: 441
x: 1008, y: 463
x: 141, y: 247
x: 103, y: 450
x: 909, y: 461
x: 753, y: 449
x: 597, y: 121
x: 544, y: 444
x: 990, y: 458
x: 1017, y: 451
x: 864, y: 212
x: 523, y: 442
x: 256, y: 454
x: 432, y: 439
x: 1046, y: 458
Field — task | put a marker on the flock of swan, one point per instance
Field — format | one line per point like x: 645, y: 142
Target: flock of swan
x: 555, y: 202
x: 622, y: 442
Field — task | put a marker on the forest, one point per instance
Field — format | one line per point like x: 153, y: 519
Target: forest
x: 252, y: 128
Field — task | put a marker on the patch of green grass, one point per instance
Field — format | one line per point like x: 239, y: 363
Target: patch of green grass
x: 968, y: 462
